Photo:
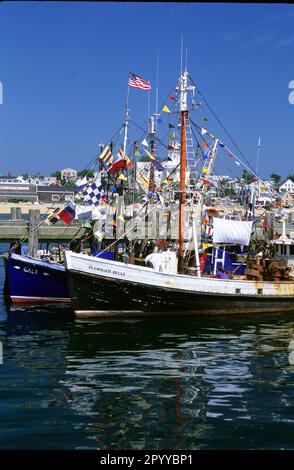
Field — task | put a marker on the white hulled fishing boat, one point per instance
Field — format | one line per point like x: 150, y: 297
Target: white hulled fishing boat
x: 100, y: 287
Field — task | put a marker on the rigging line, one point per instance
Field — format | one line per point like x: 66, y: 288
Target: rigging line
x: 131, y: 228
x: 243, y: 164
x: 145, y: 132
x: 197, y: 130
x: 43, y: 221
x: 170, y: 93
x: 222, y: 126
x: 144, y: 205
x: 93, y: 161
x: 198, y: 143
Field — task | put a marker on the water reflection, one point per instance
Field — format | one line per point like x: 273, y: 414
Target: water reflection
x: 216, y: 383
x: 154, y: 385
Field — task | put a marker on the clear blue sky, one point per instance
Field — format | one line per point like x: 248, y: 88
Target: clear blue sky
x: 64, y: 69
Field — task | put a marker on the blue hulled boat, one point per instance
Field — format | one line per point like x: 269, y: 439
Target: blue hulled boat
x: 30, y: 280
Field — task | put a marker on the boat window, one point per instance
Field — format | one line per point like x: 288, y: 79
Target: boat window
x: 291, y: 249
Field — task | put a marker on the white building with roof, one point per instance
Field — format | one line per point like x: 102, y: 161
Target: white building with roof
x: 287, y: 186
x: 69, y: 174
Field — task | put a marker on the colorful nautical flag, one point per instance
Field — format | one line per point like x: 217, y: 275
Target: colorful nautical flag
x: 198, y: 149
x: 229, y: 153
x: 203, y: 131
x: 124, y: 156
x: 172, y: 98
x: 94, y: 193
x: 137, y: 154
x: 68, y: 213
x: 122, y: 178
x: 158, y: 165
x: 106, y: 156
x: 171, y: 126
x: 54, y: 217
x: 170, y: 137
x: 81, y: 183
x: 203, y: 118
x: 221, y: 144
x: 138, y: 82
x: 144, y: 142
x: 121, y: 218
x: 119, y: 163
x: 149, y: 154
x: 166, y: 110
x: 204, y: 144
x: 144, y: 181
x: 104, y: 201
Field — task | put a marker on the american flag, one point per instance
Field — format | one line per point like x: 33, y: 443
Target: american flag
x: 139, y: 82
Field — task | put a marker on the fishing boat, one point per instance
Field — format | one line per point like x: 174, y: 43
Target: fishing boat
x: 100, y: 287
x: 31, y: 280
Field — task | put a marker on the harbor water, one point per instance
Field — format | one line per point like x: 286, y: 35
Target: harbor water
x: 223, y: 382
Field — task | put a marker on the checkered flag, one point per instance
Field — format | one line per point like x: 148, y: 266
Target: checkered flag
x: 93, y: 193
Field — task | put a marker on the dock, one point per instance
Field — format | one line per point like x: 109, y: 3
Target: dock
x: 17, y: 229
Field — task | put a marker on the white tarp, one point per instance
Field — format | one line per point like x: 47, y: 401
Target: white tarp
x: 91, y: 212
x: 165, y: 262
x: 231, y: 231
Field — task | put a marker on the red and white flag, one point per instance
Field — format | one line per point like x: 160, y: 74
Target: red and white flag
x: 138, y: 82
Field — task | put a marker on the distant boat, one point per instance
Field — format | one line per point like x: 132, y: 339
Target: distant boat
x: 30, y: 280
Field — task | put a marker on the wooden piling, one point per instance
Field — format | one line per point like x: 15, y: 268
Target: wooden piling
x: 13, y: 213
x: 18, y: 213
x: 34, y: 216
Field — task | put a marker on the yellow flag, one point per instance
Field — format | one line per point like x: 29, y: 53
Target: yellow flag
x: 122, y: 178
x: 166, y: 182
x: 144, y: 181
x: 149, y: 154
x: 204, y: 170
x: 166, y: 110
x: 121, y: 217
x: 262, y: 187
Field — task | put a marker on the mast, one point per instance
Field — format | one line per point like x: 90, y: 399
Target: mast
x: 183, y: 104
x: 126, y: 123
x: 152, y: 132
x: 258, y: 156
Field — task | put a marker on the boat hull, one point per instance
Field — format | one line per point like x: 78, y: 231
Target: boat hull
x: 34, y: 281
x: 101, y: 289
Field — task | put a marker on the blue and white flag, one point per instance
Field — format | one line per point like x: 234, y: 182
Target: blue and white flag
x: 81, y: 183
x: 93, y: 193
